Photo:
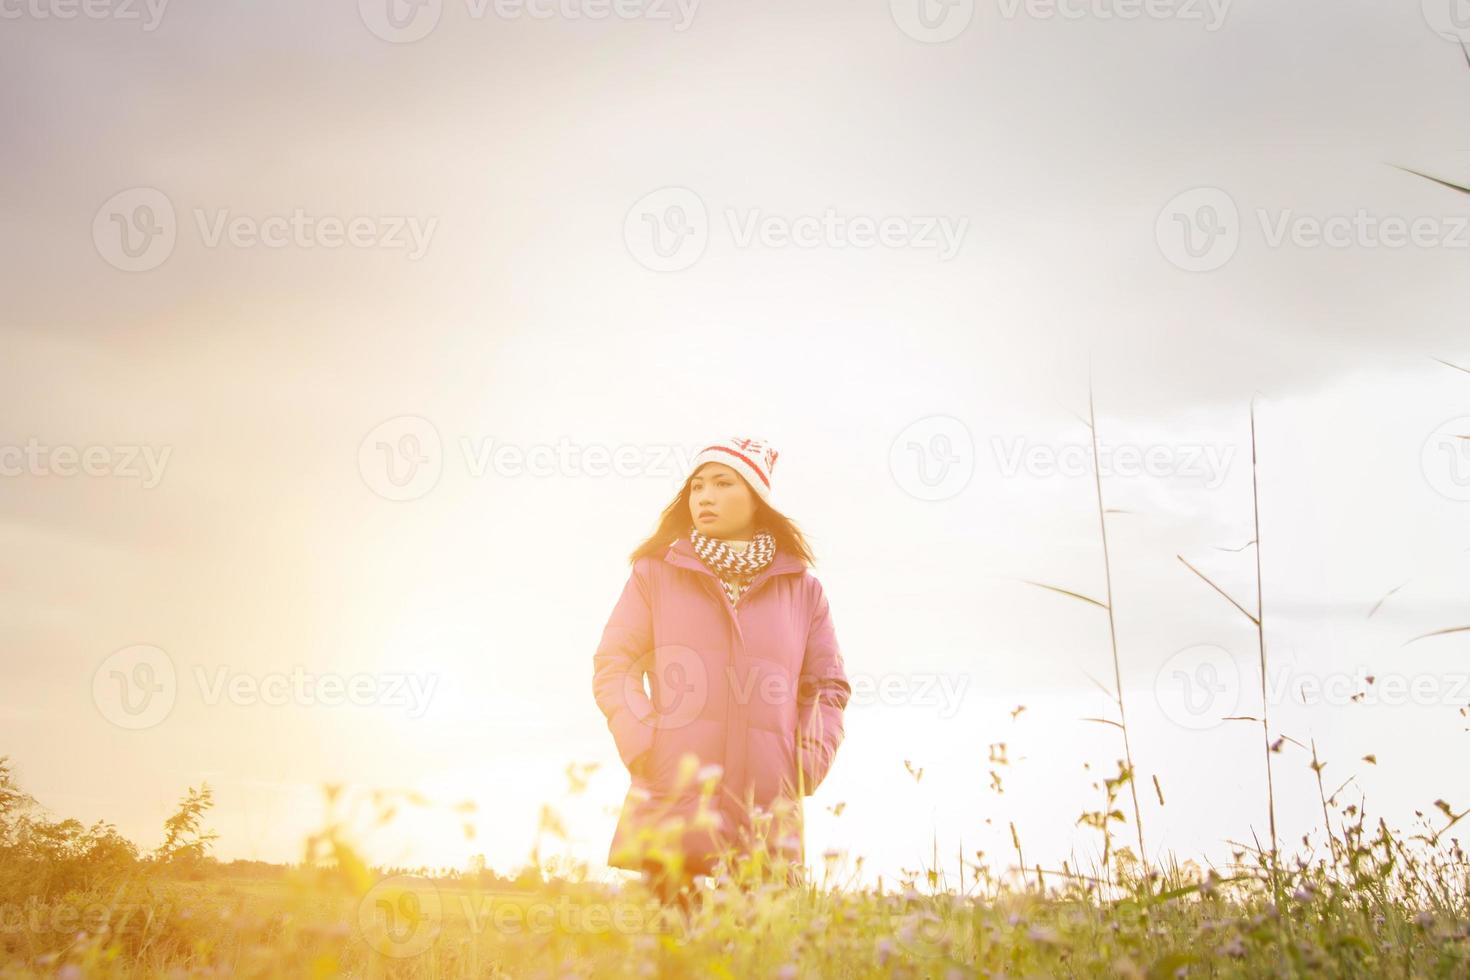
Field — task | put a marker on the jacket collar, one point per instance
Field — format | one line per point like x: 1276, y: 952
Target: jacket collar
x: 682, y: 554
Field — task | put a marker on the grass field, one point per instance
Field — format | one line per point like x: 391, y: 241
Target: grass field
x: 82, y: 902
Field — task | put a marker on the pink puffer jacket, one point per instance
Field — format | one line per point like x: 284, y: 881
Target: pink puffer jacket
x: 758, y: 690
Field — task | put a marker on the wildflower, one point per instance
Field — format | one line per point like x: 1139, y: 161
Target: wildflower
x: 1233, y: 948
x: 787, y: 972
x: 1424, y: 920
x: 885, y: 951
x: 1045, y: 935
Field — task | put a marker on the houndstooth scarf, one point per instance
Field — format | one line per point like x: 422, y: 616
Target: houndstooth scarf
x: 735, y: 569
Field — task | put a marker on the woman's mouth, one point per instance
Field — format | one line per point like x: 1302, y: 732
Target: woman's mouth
x: 706, y: 516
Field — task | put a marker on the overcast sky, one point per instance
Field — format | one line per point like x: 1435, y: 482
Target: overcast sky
x: 282, y: 278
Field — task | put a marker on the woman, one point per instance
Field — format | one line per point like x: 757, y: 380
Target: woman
x: 747, y: 687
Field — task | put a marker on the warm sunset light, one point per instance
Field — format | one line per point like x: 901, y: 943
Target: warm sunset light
x: 662, y: 488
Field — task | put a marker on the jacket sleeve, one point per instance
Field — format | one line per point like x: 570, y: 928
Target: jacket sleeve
x: 824, y: 693
x: 618, y: 668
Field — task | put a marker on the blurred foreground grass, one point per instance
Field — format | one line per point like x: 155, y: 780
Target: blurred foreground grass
x: 81, y: 902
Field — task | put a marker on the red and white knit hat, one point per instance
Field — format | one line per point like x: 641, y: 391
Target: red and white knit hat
x: 753, y: 459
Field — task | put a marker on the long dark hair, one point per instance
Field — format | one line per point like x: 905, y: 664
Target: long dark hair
x: 675, y: 522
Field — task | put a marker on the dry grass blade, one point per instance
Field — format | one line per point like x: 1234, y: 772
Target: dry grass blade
x: 1100, y: 685
x: 1385, y: 598
x: 1212, y: 585
x: 1443, y: 632
x: 1450, y: 364
x: 1443, y: 183
x: 1074, y: 595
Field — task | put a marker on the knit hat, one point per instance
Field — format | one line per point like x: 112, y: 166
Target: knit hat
x: 753, y: 459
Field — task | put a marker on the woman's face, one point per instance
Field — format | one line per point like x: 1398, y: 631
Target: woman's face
x: 720, y: 503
